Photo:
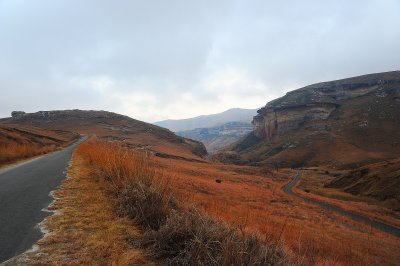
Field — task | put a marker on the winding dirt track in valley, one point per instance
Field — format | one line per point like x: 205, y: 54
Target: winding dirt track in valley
x: 387, y: 228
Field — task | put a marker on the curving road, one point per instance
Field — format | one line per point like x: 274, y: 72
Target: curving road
x: 24, y: 192
x: 387, y: 228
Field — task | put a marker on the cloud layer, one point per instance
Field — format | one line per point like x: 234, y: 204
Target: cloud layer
x: 173, y: 59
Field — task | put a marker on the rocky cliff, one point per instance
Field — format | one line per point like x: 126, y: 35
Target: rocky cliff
x: 320, y: 123
x: 317, y: 102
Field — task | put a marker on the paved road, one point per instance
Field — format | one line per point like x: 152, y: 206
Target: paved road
x: 24, y: 192
x: 356, y: 217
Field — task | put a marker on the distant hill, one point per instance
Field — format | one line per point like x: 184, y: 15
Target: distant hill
x: 343, y: 123
x: 112, y: 126
x: 218, y: 137
x: 207, y: 121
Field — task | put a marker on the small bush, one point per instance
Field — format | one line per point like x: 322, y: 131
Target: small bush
x: 141, y: 191
x: 364, y: 171
x: 147, y: 203
x: 190, y: 238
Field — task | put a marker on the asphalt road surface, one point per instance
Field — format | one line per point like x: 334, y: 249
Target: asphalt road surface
x: 24, y: 192
x: 387, y: 228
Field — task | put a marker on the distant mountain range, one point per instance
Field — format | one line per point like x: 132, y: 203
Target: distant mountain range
x: 218, y: 137
x: 216, y: 131
x: 206, y: 121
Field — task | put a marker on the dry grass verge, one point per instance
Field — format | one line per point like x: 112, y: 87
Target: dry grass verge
x: 85, y: 229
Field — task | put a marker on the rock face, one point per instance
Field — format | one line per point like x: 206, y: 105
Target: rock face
x: 17, y: 113
x: 315, y: 102
x: 340, y: 116
x: 275, y: 121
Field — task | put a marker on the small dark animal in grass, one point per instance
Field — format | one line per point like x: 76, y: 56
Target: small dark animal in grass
x: 218, y: 181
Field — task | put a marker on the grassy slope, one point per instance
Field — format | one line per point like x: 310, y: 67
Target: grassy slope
x: 252, y: 197
x: 19, y: 142
x: 380, y: 181
x: 110, y: 126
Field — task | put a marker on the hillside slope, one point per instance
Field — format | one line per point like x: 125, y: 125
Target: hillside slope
x: 20, y: 142
x: 111, y: 126
x: 380, y: 181
x: 342, y: 123
x: 206, y: 121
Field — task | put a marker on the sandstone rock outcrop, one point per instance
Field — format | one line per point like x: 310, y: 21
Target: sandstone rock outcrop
x: 17, y: 113
x: 314, y: 102
x: 340, y: 122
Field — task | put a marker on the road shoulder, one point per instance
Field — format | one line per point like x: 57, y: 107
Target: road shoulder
x: 84, y: 229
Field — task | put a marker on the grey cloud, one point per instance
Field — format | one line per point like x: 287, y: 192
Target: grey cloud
x: 175, y: 59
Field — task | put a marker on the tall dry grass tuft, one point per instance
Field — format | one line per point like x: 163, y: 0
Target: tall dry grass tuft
x: 140, y: 189
x: 174, y: 233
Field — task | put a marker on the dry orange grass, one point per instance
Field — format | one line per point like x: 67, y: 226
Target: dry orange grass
x: 174, y: 232
x: 252, y: 197
x: 22, y: 142
x: 248, y: 198
x: 13, y: 152
x: 85, y: 230
x: 142, y: 192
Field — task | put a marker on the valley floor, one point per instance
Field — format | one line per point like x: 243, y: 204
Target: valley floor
x: 252, y: 197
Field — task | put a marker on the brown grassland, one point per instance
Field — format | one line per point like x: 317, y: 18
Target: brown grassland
x: 174, y: 231
x: 312, y: 186
x: 19, y: 142
x: 233, y: 202
x: 253, y: 197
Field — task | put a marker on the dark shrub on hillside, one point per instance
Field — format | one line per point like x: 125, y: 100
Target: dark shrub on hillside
x: 190, y: 238
x: 148, y: 203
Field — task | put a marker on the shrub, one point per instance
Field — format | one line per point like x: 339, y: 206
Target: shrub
x: 141, y: 191
x: 190, y: 238
x: 364, y: 171
x: 147, y: 202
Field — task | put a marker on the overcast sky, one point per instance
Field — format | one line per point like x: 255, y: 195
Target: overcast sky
x: 154, y: 60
